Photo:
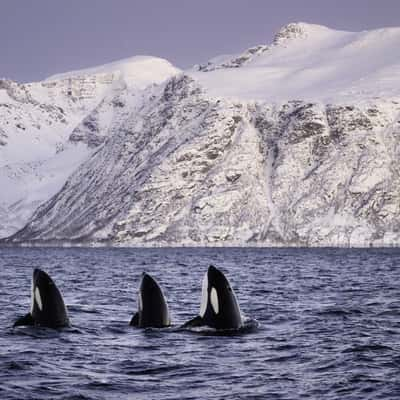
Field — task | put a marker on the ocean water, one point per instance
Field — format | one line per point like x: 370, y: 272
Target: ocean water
x: 329, y: 326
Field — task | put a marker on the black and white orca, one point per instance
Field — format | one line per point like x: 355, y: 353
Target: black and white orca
x: 47, y: 305
x: 219, y: 307
x: 152, y: 306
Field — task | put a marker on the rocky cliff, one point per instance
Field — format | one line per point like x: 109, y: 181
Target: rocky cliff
x: 209, y: 158
x: 48, y: 128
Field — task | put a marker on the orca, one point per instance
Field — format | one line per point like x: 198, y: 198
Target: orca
x: 47, y: 305
x: 152, y: 306
x: 219, y: 307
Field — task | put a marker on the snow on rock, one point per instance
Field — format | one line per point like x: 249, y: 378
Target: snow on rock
x: 295, y: 143
x: 159, y: 176
x: 48, y: 128
x: 136, y: 72
x: 309, y: 62
x: 189, y: 169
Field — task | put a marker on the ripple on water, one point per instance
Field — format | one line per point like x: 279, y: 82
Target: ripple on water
x: 322, y: 324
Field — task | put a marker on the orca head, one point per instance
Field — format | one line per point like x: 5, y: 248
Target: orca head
x: 219, y: 306
x: 153, y: 308
x: 47, y: 305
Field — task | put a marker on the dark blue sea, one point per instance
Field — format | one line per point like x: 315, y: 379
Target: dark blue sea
x: 328, y: 326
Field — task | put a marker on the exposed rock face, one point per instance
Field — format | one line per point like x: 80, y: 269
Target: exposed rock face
x: 48, y: 128
x: 95, y: 127
x: 186, y: 168
x: 282, y: 39
x: 224, y: 154
x: 293, y: 31
x: 233, y: 62
x: 334, y: 178
x: 35, y: 121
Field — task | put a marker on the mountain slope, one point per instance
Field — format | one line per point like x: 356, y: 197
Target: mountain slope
x: 293, y: 143
x: 309, y: 62
x: 48, y: 128
x: 186, y: 168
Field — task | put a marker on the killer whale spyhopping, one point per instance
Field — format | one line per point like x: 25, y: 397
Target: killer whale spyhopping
x: 219, y: 307
x: 152, y: 305
x: 47, y: 305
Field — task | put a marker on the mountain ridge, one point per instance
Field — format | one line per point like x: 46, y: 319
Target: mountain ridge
x: 216, y: 157
x: 49, y: 121
x: 309, y: 62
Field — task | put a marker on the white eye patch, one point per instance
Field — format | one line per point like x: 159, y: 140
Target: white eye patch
x: 140, y: 301
x: 214, y: 300
x: 204, y: 295
x: 38, y: 299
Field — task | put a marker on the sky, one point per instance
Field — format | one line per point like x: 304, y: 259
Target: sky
x: 39, y: 38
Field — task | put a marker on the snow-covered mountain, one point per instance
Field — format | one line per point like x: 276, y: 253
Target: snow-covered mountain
x: 292, y: 143
x: 309, y: 62
x: 48, y: 128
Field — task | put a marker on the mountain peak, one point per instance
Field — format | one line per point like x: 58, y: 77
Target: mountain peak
x: 309, y: 61
x: 138, y: 70
x: 296, y: 30
x: 285, y: 36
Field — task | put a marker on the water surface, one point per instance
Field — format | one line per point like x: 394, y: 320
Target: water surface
x: 329, y: 326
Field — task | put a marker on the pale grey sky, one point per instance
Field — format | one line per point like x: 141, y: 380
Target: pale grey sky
x: 41, y: 37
